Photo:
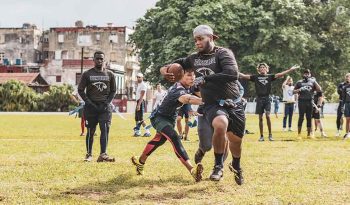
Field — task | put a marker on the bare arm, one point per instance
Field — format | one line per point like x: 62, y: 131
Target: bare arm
x: 285, y: 82
x: 244, y: 76
x: 281, y: 74
x: 190, y: 99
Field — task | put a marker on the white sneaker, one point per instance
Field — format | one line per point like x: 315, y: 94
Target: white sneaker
x: 290, y: 130
x: 323, y: 134
x: 284, y: 129
x: 346, y: 136
x: 337, y: 134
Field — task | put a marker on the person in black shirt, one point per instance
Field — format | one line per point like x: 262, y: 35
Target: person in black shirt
x: 223, y: 115
x: 97, y: 88
x: 163, y: 120
x: 305, y: 89
x: 316, y: 112
x: 262, y: 82
x: 346, y: 99
x: 340, y: 110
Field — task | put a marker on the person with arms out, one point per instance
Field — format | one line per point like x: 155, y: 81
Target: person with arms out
x: 217, y: 74
x: 97, y: 88
x: 140, y: 107
x: 346, y: 98
x: 305, y: 89
x: 163, y: 120
x: 289, y: 99
x: 262, y: 82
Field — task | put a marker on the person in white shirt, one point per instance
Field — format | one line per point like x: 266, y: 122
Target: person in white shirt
x: 158, y: 96
x: 140, y: 106
x: 289, y: 100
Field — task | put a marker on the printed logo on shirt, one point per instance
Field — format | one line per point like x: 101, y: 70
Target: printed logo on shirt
x: 290, y: 92
x: 205, y: 71
x: 207, y: 62
x: 100, y: 86
x: 99, y: 78
x: 307, y: 88
x: 263, y: 80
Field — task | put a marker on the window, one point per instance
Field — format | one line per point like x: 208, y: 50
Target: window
x: 60, y: 38
x: 2, y: 56
x: 58, y: 78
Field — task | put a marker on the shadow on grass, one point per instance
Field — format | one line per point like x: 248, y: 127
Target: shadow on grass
x: 119, y: 189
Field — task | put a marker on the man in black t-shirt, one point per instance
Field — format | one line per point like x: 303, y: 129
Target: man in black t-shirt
x: 305, y: 89
x: 262, y: 82
x: 340, y: 110
x: 346, y: 99
x: 97, y: 88
x: 223, y: 115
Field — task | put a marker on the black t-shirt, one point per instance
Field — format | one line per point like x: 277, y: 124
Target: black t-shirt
x: 262, y: 84
x: 170, y: 104
x: 220, y: 71
x: 100, y: 86
x: 307, y: 88
x: 346, y: 92
x: 340, y: 89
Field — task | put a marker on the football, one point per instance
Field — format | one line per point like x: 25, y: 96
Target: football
x: 177, y: 70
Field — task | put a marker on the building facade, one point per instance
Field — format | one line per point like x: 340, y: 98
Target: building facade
x: 64, y: 48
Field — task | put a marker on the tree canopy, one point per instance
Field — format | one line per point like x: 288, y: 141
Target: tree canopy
x: 313, y: 34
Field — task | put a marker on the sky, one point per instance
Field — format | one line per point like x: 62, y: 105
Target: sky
x: 63, y: 13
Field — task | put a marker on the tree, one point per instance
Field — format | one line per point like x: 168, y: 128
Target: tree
x: 279, y: 32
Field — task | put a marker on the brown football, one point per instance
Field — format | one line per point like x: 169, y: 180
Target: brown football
x: 177, y: 70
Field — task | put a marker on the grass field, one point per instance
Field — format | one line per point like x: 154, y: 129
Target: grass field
x: 41, y: 162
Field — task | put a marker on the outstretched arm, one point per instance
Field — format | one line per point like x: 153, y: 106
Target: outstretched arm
x: 190, y: 99
x: 281, y: 74
x: 244, y: 76
x: 285, y: 82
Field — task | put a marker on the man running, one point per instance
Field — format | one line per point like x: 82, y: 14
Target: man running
x: 163, y: 120
x: 97, y: 88
x: 217, y: 73
x: 263, y: 83
x: 305, y: 89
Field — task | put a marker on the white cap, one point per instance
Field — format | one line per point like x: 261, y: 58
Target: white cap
x: 202, y: 30
x: 139, y: 75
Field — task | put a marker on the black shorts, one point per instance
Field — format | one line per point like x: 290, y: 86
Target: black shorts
x: 183, y: 112
x: 235, y: 116
x: 316, y: 115
x: 263, y: 104
x: 139, y: 113
x: 92, y: 116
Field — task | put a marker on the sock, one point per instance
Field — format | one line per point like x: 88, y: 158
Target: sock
x: 219, y: 159
x: 236, y: 163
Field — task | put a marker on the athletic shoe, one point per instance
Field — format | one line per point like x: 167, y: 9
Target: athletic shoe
x: 323, y: 134
x: 197, y: 172
x: 290, y: 130
x: 82, y: 134
x: 138, y: 165
x: 337, y: 134
x: 237, y: 173
x: 284, y: 129
x: 105, y: 158
x: 88, y: 158
x: 198, y: 156
x: 346, y: 136
x: 261, y: 139
x: 217, y: 174
x: 137, y: 133
x: 311, y: 136
x: 147, y: 134
x: 270, y: 137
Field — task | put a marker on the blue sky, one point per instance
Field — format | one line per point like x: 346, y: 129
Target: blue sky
x: 59, y: 13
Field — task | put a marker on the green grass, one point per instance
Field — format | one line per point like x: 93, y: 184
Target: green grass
x: 41, y: 163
